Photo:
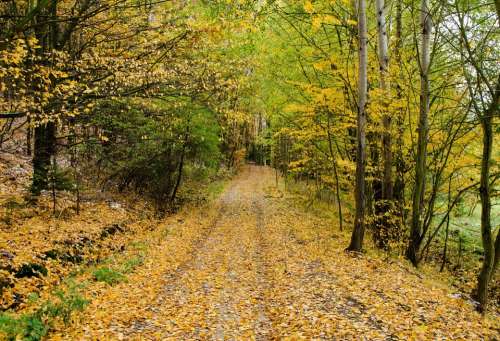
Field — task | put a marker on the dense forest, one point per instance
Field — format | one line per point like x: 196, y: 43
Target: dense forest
x: 378, y: 119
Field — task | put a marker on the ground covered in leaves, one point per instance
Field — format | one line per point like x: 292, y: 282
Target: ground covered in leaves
x: 255, y: 266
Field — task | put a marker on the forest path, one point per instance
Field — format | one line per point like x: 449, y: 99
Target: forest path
x: 253, y: 266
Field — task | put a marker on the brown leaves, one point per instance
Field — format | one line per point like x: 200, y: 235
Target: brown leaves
x: 61, y: 246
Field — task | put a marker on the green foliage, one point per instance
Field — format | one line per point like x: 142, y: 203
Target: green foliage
x: 132, y: 263
x: 35, y: 326
x: 68, y: 302
x: 215, y: 188
x: 61, y: 179
x: 27, y: 327
x: 143, y: 147
x: 108, y: 276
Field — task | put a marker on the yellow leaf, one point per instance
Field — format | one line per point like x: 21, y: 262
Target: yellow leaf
x: 308, y: 7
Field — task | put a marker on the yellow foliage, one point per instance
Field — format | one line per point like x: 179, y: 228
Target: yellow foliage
x: 308, y: 7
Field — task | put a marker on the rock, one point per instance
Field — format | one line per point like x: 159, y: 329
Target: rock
x: 115, y: 205
x: 6, y: 255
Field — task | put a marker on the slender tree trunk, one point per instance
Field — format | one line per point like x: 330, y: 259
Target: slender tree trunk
x: 179, y: 177
x: 399, y: 185
x: 447, y: 233
x: 384, y: 187
x: 491, y: 249
x: 335, y: 174
x: 359, y: 222
x: 486, y: 236
x: 383, y: 56
x: 423, y: 132
x: 181, y: 167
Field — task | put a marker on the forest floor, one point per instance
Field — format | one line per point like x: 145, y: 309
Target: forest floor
x: 254, y: 265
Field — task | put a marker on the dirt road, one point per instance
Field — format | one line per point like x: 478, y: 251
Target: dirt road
x: 255, y: 266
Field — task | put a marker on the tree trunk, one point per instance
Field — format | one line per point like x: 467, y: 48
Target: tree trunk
x: 423, y: 131
x: 45, y: 134
x: 44, y: 148
x: 179, y: 177
x: 447, y: 233
x: 399, y: 184
x: 181, y: 167
x: 491, y: 249
x: 335, y: 174
x: 383, y: 56
x: 382, y: 184
x: 359, y: 222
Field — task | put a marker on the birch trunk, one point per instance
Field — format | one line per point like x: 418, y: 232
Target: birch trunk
x: 383, y: 56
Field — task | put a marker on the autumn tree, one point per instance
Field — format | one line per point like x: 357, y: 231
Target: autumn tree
x: 416, y: 234
x: 475, y: 27
x: 66, y: 49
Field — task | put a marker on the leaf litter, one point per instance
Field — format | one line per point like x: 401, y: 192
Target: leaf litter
x: 254, y: 266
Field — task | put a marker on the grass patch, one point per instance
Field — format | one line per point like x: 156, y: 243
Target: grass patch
x: 132, y: 263
x: 108, y: 276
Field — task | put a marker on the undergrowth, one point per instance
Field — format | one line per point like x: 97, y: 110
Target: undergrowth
x: 35, y: 325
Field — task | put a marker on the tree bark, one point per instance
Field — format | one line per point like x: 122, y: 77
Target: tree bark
x: 359, y: 222
x: 43, y: 149
x: 383, y: 57
x: 491, y: 249
x: 416, y: 237
x: 486, y: 236
x: 179, y: 177
x: 383, y: 188
x: 399, y: 184
x: 181, y: 167
x: 336, y: 175
x: 447, y: 233
x: 45, y: 134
